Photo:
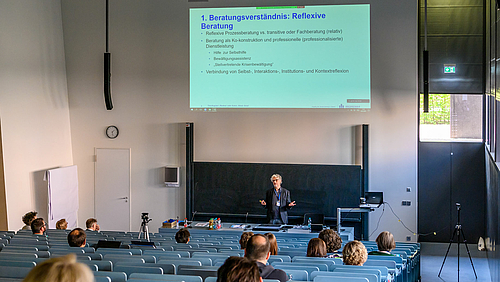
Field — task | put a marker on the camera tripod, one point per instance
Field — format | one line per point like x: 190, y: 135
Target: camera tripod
x: 457, y: 232
x: 144, y: 231
x: 144, y: 227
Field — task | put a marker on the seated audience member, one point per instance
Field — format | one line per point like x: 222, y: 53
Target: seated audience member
x: 257, y: 249
x: 60, y: 269
x: 244, y: 239
x: 27, y: 219
x: 238, y: 269
x: 62, y: 224
x: 385, y: 244
x: 316, y: 248
x: 274, y: 244
x: 354, y: 253
x: 77, y: 238
x: 182, y: 236
x: 38, y: 226
x: 92, y: 225
x: 333, y: 242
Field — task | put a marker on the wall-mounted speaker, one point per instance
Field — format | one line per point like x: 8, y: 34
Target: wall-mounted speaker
x: 107, y: 81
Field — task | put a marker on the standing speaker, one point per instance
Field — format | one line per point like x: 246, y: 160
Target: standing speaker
x: 107, y: 81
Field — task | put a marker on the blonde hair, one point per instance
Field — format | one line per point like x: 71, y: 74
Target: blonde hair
x: 385, y: 241
x: 61, y: 269
x: 354, y: 253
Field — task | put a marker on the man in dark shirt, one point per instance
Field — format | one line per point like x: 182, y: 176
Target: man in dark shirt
x: 258, y: 250
x: 277, y: 202
x: 38, y: 226
x: 77, y: 238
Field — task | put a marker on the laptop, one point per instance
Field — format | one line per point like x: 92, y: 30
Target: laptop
x: 373, y: 200
x: 108, y: 244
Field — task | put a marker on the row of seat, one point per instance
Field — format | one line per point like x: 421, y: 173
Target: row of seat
x: 202, y: 258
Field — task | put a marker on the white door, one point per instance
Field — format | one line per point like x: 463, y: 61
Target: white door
x: 112, y: 189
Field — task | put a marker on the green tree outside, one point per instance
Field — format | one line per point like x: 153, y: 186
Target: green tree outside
x: 439, y: 109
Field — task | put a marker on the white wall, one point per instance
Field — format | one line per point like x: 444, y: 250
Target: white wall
x: 34, y: 112
x: 150, y: 80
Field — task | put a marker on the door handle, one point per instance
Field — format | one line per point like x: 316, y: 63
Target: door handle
x: 124, y: 198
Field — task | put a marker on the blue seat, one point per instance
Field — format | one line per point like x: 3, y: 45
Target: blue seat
x: 40, y: 254
x: 92, y: 256
x: 284, y: 258
x: 6, y: 263
x: 297, y: 275
x: 102, y: 279
x: 274, y: 259
x: 215, y: 257
x: 382, y: 271
x: 203, y: 260
x: 102, y: 265
x: 26, y: 248
x: 391, y: 265
x: 135, y: 252
x: 166, y: 277
x: 345, y: 279
x: 129, y: 269
x: 177, y: 262
x: 202, y: 271
x: 293, y: 252
x: 309, y: 269
x: 328, y: 261
x: 233, y: 252
x: 159, y: 253
x: 167, y: 268
x: 20, y: 257
x: 14, y: 271
x: 400, y: 268
x: 326, y: 277
x: 60, y: 252
x: 114, y: 276
x: 321, y: 266
x: 211, y: 279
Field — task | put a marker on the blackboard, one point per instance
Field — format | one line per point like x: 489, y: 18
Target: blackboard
x: 235, y: 188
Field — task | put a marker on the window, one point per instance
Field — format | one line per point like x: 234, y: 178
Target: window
x: 452, y: 117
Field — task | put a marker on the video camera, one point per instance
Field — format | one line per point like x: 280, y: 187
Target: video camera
x: 145, y: 217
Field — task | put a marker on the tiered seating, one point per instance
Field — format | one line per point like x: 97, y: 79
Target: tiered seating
x: 198, y: 260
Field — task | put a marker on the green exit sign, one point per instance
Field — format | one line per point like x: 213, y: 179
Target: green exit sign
x: 449, y: 68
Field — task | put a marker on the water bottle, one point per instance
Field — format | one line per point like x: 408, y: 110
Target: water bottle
x: 185, y: 222
x: 309, y: 224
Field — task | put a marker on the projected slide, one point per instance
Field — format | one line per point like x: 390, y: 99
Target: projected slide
x: 280, y: 57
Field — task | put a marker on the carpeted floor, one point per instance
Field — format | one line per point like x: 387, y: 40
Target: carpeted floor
x: 432, y: 256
